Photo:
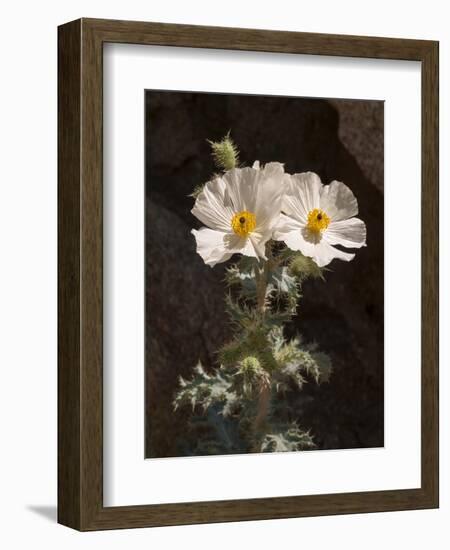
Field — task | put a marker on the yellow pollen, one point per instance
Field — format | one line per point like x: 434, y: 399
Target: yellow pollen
x: 318, y: 221
x: 243, y: 223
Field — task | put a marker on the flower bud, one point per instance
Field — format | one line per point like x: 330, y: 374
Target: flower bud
x: 303, y: 267
x: 225, y: 153
x: 250, y: 365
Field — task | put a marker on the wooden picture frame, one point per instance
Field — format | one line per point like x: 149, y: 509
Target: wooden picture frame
x: 80, y: 272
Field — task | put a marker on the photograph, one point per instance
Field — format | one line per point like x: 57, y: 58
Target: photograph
x: 264, y: 274
x: 225, y: 263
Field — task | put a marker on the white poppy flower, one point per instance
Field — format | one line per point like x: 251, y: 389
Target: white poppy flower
x: 240, y: 209
x: 315, y: 217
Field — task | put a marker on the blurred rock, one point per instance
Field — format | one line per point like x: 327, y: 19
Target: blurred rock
x: 185, y: 320
x: 361, y: 130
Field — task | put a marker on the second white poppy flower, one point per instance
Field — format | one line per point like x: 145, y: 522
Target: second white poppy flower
x: 316, y: 217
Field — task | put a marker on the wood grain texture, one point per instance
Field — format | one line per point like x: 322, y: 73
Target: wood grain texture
x: 430, y: 273
x: 69, y: 243
x: 80, y: 264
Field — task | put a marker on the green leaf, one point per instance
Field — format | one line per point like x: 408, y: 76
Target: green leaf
x: 282, y: 281
x: 241, y: 315
x: 323, y: 362
x: 203, y: 389
x: 284, y: 291
x: 287, y: 438
x: 294, y: 361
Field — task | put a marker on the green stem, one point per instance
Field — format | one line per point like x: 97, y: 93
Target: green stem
x: 262, y: 279
x: 263, y: 407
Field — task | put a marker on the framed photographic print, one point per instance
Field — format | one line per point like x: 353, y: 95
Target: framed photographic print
x: 248, y: 274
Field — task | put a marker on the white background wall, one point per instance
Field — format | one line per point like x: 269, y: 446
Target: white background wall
x: 28, y: 272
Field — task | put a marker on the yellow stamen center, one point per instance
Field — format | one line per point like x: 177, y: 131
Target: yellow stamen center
x: 318, y: 221
x: 243, y: 223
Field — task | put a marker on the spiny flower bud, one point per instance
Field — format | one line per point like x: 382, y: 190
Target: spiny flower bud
x: 303, y: 267
x: 225, y: 153
x: 250, y: 376
x: 250, y: 365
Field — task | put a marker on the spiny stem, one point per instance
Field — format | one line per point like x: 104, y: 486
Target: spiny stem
x: 262, y: 279
x: 261, y: 285
x: 263, y: 406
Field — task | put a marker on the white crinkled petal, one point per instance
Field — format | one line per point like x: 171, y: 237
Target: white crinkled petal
x: 302, y: 195
x: 338, y: 201
x: 259, y: 245
x: 325, y: 253
x: 241, y: 189
x: 253, y: 245
x: 273, y: 170
x: 322, y: 252
x: 270, y: 190
x: 241, y: 245
x: 209, y: 206
x: 211, y: 246
x: 295, y: 241
x: 350, y: 233
x: 285, y: 225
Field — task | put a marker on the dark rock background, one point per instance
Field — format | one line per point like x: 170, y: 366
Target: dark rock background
x: 185, y: 320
